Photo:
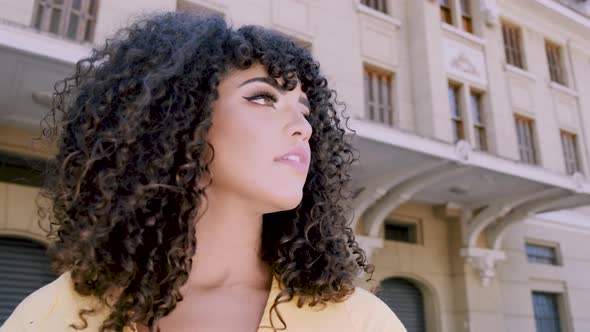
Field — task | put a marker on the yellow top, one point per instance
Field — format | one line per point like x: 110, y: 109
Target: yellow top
x: 54, y: 307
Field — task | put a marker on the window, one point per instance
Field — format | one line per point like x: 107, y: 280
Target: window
x: 378, y: 95
x: 446, y: 15
x: 525, y: 131
x: 542, y: 254
x: 513, y: 45
x: 546, y: 308
x: 189, y: 6
x: 303, y: 43
x: 401, y: 232
x: 478, y: 121
x: 380, y: 5
x: 455, y: 106
x: 556, y: 70
x: 569, y: 144
x: 73, y: 19
x: 22, y: 170
x: 466, y: 16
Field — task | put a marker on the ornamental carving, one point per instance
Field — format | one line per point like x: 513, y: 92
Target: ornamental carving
x: 465, y: 61
x: 463, y: 64
x: 484, y: 262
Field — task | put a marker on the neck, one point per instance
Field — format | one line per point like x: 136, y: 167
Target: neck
x: 228, y: 246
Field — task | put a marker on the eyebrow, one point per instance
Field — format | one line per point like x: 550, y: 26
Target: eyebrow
x: 272, y: 82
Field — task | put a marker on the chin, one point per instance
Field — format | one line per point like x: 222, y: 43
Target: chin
x: 285, y: 203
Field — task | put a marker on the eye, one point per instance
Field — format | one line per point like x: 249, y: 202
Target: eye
x: 263, y: 98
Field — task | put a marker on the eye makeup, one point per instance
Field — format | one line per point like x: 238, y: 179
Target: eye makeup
x: 263, y: 94
x: 271, y: 98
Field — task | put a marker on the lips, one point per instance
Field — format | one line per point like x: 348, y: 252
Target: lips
x: 298, y: 157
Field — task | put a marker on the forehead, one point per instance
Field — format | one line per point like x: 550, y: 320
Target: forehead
x: 236, y: 77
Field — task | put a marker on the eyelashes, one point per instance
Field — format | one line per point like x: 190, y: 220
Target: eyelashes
x: 269, y: 99
x: 266, y: 96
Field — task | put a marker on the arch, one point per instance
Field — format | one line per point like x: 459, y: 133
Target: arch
x: 377, y: 187
x: 25, y: 235
x: 430, y: 299
x: 477, y: 224
x: 375, y: 216
x: 497, y: 231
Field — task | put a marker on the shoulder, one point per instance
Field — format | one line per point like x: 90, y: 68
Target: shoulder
x: 37, y: 304
x: 49, y: 308
x: 369, y: 313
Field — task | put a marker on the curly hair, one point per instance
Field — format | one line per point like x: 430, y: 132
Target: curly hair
x: 131, y: 128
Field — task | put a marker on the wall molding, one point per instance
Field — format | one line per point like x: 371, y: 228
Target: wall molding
x: 566, y: 220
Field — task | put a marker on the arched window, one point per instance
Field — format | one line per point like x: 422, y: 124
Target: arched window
x: 24, y: 268
x: 406, y: 300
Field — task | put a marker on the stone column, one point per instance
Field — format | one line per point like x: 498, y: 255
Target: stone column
x: 476, y: 289
x: 429, y: 84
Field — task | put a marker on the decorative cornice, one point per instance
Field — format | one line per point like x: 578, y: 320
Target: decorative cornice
x: 490, y: 12
x: 484, y: 261
x: 369, y: 244
x: 566, y: 12
x: 463, y: 149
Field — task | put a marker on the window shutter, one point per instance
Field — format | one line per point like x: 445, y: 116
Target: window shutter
x: 24, y: 268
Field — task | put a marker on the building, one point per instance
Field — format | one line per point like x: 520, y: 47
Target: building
x: 471, y: 116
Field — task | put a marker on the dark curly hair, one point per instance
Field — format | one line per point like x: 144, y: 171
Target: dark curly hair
x: 131, y: 129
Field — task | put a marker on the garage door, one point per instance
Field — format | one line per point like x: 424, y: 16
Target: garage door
x: 405, y: 299
x: 24, y: 268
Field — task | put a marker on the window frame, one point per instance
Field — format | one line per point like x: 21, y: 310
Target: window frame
x: 21, y: 169
x: 571, y: 154
x: 457, y: 117
x: 87, y: 16
x: 558, y: 306
x: 555, y: 62
x: 524, y: 152
x: 479, y: 127
x: 381, y: 6
x: 466, y: 15
x: 553, y: 260
x: 198, y: 8
x: 446, y: 11
x: 403, y: 220
x: 410, y: 228
x: 514, y: 52
x: 379, y: 109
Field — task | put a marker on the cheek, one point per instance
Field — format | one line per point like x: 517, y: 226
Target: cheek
x: 244, y: 163
x: 243, y: 148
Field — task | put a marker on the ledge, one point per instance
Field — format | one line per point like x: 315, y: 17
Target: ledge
x: 27, y: 40
x: 562, y: 88
x: 519, y: 72
x: 462, y: 34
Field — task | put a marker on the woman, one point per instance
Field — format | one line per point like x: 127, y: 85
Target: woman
x: 199, y: 185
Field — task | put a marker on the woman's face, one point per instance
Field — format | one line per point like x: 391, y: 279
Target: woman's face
x: 260, y: 135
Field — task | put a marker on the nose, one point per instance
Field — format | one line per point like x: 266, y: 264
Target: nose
x: 299, y: 126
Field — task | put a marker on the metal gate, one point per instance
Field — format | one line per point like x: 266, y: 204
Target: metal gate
x: 405, y: 299
x: 24, y: 268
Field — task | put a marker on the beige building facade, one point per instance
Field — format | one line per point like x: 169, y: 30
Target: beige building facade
x: 471, y: 118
